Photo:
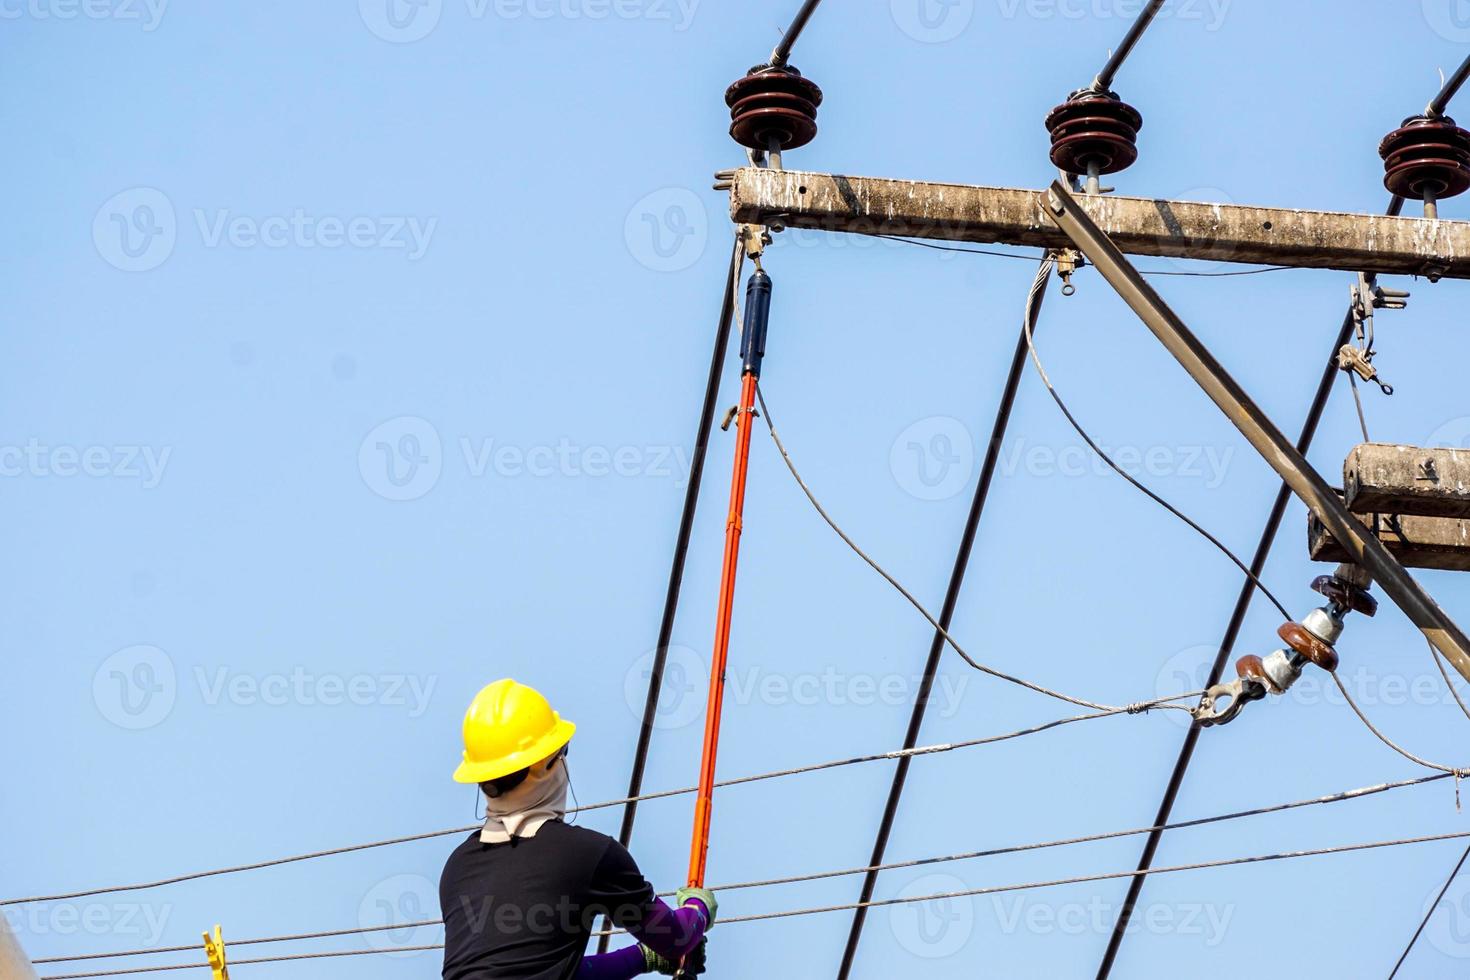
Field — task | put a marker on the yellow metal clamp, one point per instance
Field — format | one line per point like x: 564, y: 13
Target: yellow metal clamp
x: 214, y: 949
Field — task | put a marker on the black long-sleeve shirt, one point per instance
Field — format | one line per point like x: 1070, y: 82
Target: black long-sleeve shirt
x: 524, y: 910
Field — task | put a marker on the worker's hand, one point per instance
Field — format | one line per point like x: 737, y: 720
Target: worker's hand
x: 693, y: 963
x: 705, y: 897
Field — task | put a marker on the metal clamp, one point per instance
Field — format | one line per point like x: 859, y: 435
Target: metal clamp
x: 1239, y: 692
x: 1360, y: 362
x: 1069, y: 260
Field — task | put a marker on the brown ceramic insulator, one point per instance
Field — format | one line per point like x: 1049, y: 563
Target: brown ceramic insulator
x: 1346, y: 595
x: 1426, y: 156
x: 773, y: 105
x: 1253, y: 668
x: 1094, y: 128
x: 1296, y: 636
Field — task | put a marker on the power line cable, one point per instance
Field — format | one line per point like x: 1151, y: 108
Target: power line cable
x: 664, y: 794
x: 1331, y: 798
x: 1104, y: 80
x: 1032, y: 258
x: 782, y: 51
x: 1458, y: 772
x: 1081, y: 432
x: 902, y: 900
x: 983, y: 668
x: 1264, y: 546
x: 1429, y: 913
x: 968, y: 534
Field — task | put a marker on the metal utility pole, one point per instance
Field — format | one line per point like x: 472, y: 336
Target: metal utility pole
x: 1330, y: 371
x: 13, y: 962
x: 1366, y: 550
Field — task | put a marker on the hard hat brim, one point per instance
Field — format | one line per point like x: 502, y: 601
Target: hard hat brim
x: 479, y: 772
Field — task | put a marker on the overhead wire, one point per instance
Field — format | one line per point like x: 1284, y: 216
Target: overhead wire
x: 1264, y: 546
x: 1041, y: 277
x: 782, y: 51
x: 1032, y: 258
x: 1429, y: 914
x: 1327, y: 799
x: 938, y: 748
x: 878, y: 903
x: 958, y: 570
x: 1104, y: 80
x: 1454, y: 692
x: 923, y: 611
x: 1459, y: 772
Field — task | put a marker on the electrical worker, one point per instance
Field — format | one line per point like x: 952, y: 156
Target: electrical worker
x: 520, y: 895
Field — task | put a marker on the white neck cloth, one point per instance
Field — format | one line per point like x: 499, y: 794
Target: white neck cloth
x: 541, y: 798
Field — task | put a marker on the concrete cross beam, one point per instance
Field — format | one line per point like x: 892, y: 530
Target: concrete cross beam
x: 1174, y: 229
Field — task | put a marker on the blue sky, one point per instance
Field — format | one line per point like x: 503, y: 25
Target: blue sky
x: 258, y: 252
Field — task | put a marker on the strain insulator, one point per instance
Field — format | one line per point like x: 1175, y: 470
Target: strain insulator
x: 1094, y: 133
x: 773, y: 108
x: 1426, y: 159
x: 1345, y: 594
x: 1314, y: 648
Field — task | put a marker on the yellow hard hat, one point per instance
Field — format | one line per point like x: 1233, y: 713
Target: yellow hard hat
x: 509, y: 726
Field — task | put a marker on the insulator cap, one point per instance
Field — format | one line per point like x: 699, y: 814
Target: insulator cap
x: 1253, y: 668
x: 1426, y: 154
x: 1345, y: 594
x: 1094, y: 128
x: 1303, y: 642
x: 773, y: 105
